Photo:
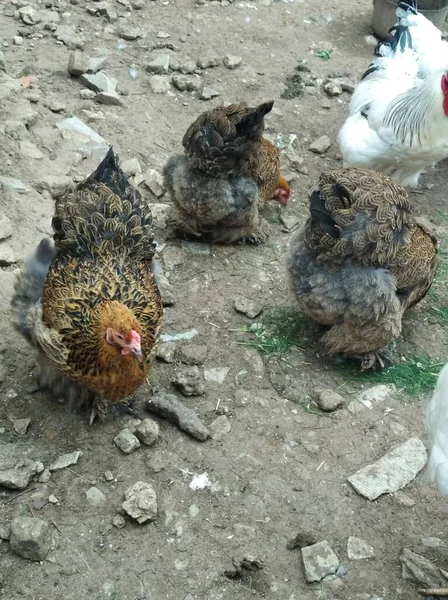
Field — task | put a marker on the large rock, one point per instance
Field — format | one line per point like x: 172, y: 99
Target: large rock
x: 171, y: 408
x: 17, y: 466
x: 141, y: 502
x: 319, y: 560
x: 30, y: 538
x: 392, y: 472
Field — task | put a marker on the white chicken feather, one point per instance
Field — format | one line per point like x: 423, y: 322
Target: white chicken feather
x: 427, y: 40
x: 437, y: 427
x: 398, y: 122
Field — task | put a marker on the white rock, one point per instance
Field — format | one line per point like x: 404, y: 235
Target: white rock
x: 216, y: 375
x: 7, y: 256
x: 99, y: 82
x: 66, y: 460
x: 13, y: 184
x: 109, y: 98
x: 78, y: 63
x: 160, y: 65
x: 83, y: 137
x: 29, y: 150
x: 159, y: 84
x: 358, y: 549
x: 176, y: 337
x: 131, y: 167
x: 141, y: 502
x: 154, y: 182
x: 392, y: 472
x: 220, y: 427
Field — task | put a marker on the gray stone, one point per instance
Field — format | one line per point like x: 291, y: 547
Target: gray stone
x: 29, y: 15
x: 177, y: 337
x: 148, y: 432
x: 131, y: 167
x: 56, y: 106
x: 358, y: 549
x: 87, y: 94
x: 166, y: 352
x: 193, y: 511
x: 232, y: 62
x: 7, y: 256
x: 17, y: 40
x: 162, y: 35
x: 78, y: 63
x: 319, y: 560
x: 119, y: 522
x: 418, y: 568
x: 193, y: 354
x: 83, y: 138
x: 108, y: 476
x: 45, y: 476
x: 289, y: 221
x: 129, y: 32
x: 189, y: 381
x: 16, y: 470
x: 109, y: 98
x: 5, y: 227
x: 132, y: 424
x: 404, y: 499
x: 68, y: 36
x: 188, y: 67
x: 2, y: 63
x: 5, y: 532
x: 216, y: 375
x: 21, y: 425
x: 95, y: 496
x: 159, y: 84
x: 141, y: 502
x: 172, y: 409
x: 160, y: 214
x: 333, y: 88
x: 66, y: 460
x: 321, y: 145
x: 220, y: 427
x: 154, y: 182
x: 52, y: 499
x: 99, y: 82
x: 186, y: 84
x: 30, y: 538
x: 208, y: 93
x: 30, y: 151
x: 392, y: 472
x: 127, y: 441
x: 347, y: 85
x: 247, y: 307
x: 433, y: 542
x: 57, y: 185
x: 208, y: 62
x: 96, y: 64
x: 327, y: 400
x: 159, y: 65
x: 13, y: 184
x: 138, y: 4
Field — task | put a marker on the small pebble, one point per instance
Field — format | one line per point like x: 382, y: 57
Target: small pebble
x: 127, y: 441
x: 119, y: 522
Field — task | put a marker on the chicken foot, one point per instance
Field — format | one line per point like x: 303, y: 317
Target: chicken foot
x: 380, y: 358
x: 100, y: 409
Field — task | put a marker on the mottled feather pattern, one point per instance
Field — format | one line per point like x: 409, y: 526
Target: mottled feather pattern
x: 99, y: 279
x: 361, y: 260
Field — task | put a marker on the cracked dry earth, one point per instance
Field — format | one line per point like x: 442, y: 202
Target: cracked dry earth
x: 282, y: 467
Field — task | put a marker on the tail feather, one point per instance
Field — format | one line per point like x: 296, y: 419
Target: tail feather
x: 104, y: 214
x: 29, y: 285
x: 253, y: 122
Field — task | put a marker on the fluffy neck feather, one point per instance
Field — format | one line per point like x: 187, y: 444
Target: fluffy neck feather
x: 417, y: 116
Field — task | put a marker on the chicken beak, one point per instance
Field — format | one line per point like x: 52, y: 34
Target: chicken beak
x: 139, y: 355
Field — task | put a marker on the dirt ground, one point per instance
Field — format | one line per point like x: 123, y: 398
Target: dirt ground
x: 283, y: 467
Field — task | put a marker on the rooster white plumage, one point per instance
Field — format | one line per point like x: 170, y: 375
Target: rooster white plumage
x: 398, y: 122
x: 437, y: 427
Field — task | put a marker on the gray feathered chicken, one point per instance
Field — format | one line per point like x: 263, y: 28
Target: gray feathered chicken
x: 227, y: 174
x: 360, y: 261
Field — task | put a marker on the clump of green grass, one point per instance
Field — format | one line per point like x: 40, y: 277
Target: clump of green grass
x: 279, y: 330
x: 324, y: 54
x: 416, y: 376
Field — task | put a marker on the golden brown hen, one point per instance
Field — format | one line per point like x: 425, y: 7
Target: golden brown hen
x: 360, y: 261
x: 227, y: 174
x: 90, y: 304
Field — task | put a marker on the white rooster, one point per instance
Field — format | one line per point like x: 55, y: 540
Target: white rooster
x: 437, y: 427
x: 398, y: 122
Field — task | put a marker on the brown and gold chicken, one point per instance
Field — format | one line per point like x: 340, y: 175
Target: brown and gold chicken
x: 90, y: 304
x: 227, y: 174
x: 360, y: 261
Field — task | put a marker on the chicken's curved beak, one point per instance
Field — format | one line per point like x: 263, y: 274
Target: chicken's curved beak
x: 138, y: 355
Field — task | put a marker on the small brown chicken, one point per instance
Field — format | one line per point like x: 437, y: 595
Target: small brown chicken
x: 90, y: 304
x: 227, y: 174
x: 360, y: 261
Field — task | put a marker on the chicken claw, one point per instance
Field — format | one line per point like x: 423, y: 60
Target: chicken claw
x: 380, y: 358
